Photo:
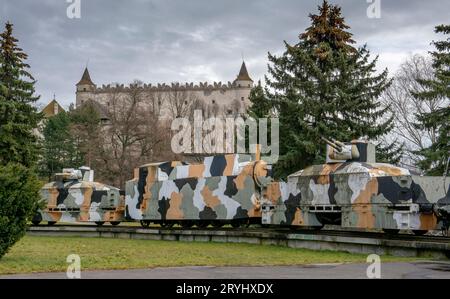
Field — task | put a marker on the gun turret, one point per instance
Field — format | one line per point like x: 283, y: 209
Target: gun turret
x: 68, y: 174
x: 338, y: 151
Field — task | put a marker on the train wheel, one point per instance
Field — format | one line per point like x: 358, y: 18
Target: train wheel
x: 317, y: 227
x: 236, y: 223
x: 419, y: 232
x: 115, y: 223
x: 145, y: 223
x: 186, y: 224
x: 50, y: 223
x: 391, y: 231
x: 447, y: 253
x: 99, y: 223
x: 202, y: 224
x: 246, y: 223
x: 35, y: 222
x: 217, y: 224
x: 166, y: 224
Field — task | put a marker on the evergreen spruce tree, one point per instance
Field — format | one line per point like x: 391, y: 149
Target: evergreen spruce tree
x: 19, y: 186
x: 324, y: 86
x: 19, y: 191
x: 436, y: 156
x: 59, y: 148
x: 86, y: 130
x: 390, y: 153
x: 260, y: 106
x: 18, y: 116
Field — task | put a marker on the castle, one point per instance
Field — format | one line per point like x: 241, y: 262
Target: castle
x: 224, y: 99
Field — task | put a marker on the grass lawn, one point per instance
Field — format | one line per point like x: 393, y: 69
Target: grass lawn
x: 48, y: 254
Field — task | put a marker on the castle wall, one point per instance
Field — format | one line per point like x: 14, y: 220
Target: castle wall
x: 224, y: 98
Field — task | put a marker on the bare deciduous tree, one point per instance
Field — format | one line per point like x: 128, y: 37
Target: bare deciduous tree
x: 134, y: 133
x: 406, y: 107
x: 181, y: 103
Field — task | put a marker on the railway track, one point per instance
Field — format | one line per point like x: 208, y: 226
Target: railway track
x: 402, y: 244
x: 332, y: 231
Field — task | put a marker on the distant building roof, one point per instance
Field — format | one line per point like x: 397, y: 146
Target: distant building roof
x: 86, y: 78
x: 52, y: 109
x: 243, y: 74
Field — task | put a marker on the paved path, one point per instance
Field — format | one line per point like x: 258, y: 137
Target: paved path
x: 416, y: 270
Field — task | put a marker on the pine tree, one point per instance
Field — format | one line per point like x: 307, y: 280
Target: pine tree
x: 436, y: 156
x: 260, y: 105
x: 19, y: 186
x: 86, y: 129
x: 19, y: 189
x: 390, y: 153
x: 59, y: 148
x: 18, y: 117
x: 261, y: 108
x: 324, y: 86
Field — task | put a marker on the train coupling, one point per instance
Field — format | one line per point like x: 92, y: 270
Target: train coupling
x: 443, y: 216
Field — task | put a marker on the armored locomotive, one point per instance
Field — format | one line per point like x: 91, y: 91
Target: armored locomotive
x: 75, y: 197
x: 353, y: 191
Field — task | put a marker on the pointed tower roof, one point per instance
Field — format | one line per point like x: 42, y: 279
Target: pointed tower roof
x: 86, y: 78
x: 243, y: 74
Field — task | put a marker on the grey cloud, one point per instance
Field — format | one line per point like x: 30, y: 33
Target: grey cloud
x: 196, y: 40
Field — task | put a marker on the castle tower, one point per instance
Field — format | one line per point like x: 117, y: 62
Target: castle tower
x: 243, y: 86
x: 85, y: 88
x: 243, y: 80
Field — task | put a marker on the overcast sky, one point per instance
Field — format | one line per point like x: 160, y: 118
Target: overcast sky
x: 195, y: 40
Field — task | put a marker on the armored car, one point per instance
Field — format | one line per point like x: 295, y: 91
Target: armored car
x: 222, y: 189
x: 75, y: 197
x: 354, y: 191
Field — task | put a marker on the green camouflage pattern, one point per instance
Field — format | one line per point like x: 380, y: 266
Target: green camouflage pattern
x: 222, y: 187
x: 356, y: 194
x: 350, y: 190
x: 74, y: 197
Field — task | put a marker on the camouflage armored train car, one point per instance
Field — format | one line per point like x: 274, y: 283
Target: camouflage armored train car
x: 222, y: 189
x: 354, y: 191
x: 75, y: 197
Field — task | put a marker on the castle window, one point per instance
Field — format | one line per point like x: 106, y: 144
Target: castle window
x: 239, y: 85
x: 242, y: 99
x: 213, y: 101
x: 84, y: 89
x: 159, y: 103
x: 249, y: 85
x: 185, y: 102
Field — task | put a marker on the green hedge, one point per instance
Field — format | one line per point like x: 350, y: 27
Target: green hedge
x: 19, y: 198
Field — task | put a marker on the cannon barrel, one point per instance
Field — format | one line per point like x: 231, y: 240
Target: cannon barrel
x: 334, y: 145
x: 338, y: 143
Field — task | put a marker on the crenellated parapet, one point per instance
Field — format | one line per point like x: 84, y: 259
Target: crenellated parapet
x: 163, y: 87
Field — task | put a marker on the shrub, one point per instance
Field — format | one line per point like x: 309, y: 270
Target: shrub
x: 19, y: 200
